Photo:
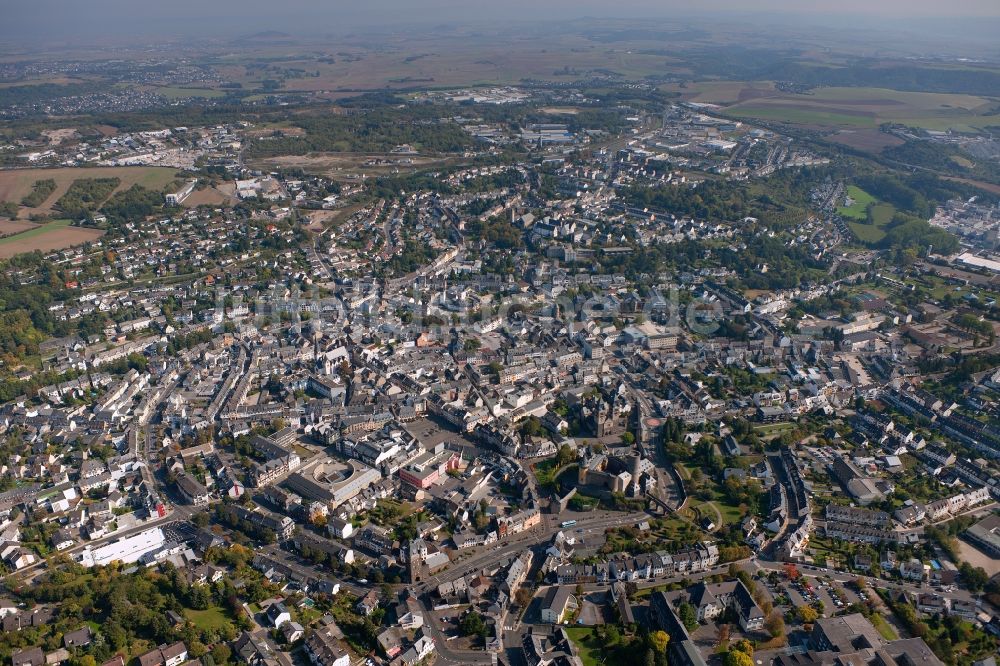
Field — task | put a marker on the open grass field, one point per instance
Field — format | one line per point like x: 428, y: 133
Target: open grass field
x: 208, y: 619
x: 854, y: 109
x: 882, y: 214
x: 796, y: 114
x: 56, y: 235
x: 857, y: 214
x: 858, y: 210
x: 866, y: 232
x: 15, y: 184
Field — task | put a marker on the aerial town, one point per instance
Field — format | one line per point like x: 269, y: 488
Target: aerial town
x: 519, y: 374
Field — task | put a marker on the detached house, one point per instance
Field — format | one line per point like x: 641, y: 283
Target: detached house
x: 165, y: 655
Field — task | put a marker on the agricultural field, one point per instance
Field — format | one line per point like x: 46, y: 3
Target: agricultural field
x: 722, y: 93
x: 209, y: 196
x: 855, y: 109
x: 11, y: 227
x: 441, y: 64
x: 868, y: 140
x: 989, y: 187
x: 15, y: 184
x: 56, y: 235
x: 173, y: 93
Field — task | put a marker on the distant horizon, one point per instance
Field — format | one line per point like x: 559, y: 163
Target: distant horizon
x: 116, y: 22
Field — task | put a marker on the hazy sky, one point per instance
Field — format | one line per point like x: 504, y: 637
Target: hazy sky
x: 82, y: 20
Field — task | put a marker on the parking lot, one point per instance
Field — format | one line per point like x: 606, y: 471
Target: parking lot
x: 834, y: 595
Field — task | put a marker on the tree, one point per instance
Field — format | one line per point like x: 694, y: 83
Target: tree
x: 565, y: 455
x: 744, y: 646
x: 807, y: 614
x: 688, y: 615
x: 659, y: 639
x: 472, y: 625
x: 531, y: 426
x: 737, y: 658
x: 775, y: 624
x: 975, y: 577
x: 221, y: 653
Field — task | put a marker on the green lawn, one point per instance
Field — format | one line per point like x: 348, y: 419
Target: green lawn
x: 717, y: 511
x: 730, y: 514
x: 589, y: 649
x: 773, y: 429
x: 648, y: 591
x: 208, y: 619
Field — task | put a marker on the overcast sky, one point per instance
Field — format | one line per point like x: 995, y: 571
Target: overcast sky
x: 82, y: 20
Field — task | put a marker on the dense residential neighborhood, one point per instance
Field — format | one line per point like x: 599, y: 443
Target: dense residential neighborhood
x: 575, y: 371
